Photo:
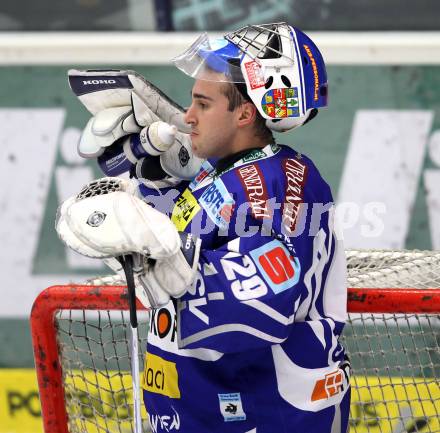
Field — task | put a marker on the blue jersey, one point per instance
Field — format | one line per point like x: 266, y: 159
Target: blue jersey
x: 253, y: 346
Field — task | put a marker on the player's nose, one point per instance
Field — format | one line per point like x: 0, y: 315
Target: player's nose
x: 190, y: 115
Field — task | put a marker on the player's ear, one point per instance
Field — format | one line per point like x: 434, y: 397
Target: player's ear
x: 247, y: 113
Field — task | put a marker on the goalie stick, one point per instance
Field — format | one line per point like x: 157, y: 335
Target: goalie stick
x: 127, y: 263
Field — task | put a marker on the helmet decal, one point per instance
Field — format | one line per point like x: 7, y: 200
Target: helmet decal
x: 254, y: 74
x: 281, y: 103
x: 315, y: 74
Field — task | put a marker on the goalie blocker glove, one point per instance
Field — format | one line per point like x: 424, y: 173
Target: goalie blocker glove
x: 124, y: 102
x: 101, y: 89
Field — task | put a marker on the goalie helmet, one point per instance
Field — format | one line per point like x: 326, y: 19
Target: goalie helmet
x: 280, y: 67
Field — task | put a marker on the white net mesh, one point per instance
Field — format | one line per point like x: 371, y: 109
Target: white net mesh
x: 95, y: 352
x: 381, y: 268
x: 370, y: 268
x: 395, y: 357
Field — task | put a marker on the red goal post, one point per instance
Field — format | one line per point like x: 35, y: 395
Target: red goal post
x: 58, y: 378
x: 48, y: 363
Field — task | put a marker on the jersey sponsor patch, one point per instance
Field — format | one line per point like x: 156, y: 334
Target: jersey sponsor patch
x: 231, y: 407
x: 163, y: 323
x: 205, y: 170
x: 280, y: 269
x: 253, y: 183
x: 169, y: 421
x: 296, y: 175
x: 280, y: 103
x: 218, y: 203
x: 332, y: 384
x: 254, y: 155
x: 184, y: 210
x: 160, y: 376
x: 316, y: 388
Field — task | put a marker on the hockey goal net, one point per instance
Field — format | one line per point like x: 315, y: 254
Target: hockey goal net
x: 82, y: 355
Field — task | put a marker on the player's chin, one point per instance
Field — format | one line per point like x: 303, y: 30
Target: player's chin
x: 196, y: 148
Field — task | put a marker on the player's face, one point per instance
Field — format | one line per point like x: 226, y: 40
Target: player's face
x: 213, y: 125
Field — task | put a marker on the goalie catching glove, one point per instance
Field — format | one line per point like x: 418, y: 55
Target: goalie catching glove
x: 124, y: 103
x: 106, y: 219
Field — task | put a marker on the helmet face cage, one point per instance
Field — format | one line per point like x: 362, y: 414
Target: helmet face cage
x: 282, y: 68
x: 256, y: 41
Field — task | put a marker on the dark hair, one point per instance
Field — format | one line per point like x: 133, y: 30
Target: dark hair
x: 237, y: 96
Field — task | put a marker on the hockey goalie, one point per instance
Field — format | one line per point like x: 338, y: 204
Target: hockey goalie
x: 232, y: 235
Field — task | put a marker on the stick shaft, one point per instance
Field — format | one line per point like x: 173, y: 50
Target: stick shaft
x: 127, y: 263
x: 135, y: 381
x: 128, y: 270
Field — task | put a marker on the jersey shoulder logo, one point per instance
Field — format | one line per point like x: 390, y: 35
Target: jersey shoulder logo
x: 280, y: 269
x: 184, y: 210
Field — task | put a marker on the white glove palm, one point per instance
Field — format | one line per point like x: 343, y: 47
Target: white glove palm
x: 107, y: 220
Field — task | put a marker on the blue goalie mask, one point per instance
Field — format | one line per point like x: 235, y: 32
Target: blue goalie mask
x: 282, y: 69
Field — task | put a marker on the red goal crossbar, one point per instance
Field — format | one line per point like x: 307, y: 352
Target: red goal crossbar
x: 73, y: 297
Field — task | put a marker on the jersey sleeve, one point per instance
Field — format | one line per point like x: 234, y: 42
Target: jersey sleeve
x: 245, y: 296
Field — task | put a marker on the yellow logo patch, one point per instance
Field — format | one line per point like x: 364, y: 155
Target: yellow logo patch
x: 160, y: 376
x: 185, y: 209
